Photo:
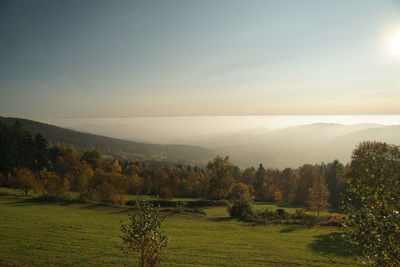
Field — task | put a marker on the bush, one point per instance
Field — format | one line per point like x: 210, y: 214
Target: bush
x: 270, y: 216
x: 186, y: 210
x: 310, y: 220
x: 299, y: 214
x: 301, y: 217
x: 241, y: 209
x: 267, y: 214
x: 190, y: 204
x: 331, y: 220
x: 111, y: 195
x: 45, y: 198
x: 263, y: 217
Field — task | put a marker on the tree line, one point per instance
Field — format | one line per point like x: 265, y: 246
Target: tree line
x: 31, y: 163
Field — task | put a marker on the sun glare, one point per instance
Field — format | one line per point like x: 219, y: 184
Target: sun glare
x: 394, y: 43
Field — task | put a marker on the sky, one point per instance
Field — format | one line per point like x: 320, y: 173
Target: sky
x: 94, y: 59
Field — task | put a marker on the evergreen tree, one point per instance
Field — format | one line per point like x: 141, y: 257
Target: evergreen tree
x: 259, y: 182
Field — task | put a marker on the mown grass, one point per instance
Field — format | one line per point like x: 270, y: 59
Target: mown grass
x: 59, y: 234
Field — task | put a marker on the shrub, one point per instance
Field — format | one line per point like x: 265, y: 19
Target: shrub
x: 241, y: 209
x: 88, y: 195
x: 298, y: 215
x: 310, y: 220
x: 263, y: 217
x: 110, y: 194
x: 301, y: 217
x: 281, y: 214
x: 331, y: 220
x: 268, y: 214
x: 186, y: 210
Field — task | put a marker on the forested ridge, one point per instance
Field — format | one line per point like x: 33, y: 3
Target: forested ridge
x: 116, y: 148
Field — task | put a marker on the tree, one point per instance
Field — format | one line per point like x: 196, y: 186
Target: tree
x: 135, y: 184
x: 93, y: 158
x: 24, y: 179
x: 288, y: 181
x: 241, y: 190
x: 40, y: 152
x: 142, y: 233
x: 236, y: 173
x: 220, y: 172
x: 318, y: 194
x: 248, y: 176
x: 307, y: 174
x: 192, y: 184
x: 259, y: 182
x: 333, y: 172
x: 53, y: 184
x: 373, y: 202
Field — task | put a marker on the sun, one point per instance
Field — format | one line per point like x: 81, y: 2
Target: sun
x: 393, y: 44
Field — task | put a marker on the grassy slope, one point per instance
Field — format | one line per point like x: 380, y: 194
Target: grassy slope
x: 48, y: 234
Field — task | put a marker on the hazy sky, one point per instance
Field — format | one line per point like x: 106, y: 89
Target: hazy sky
x: 71, y: 59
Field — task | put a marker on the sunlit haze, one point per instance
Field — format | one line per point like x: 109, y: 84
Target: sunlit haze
x: 79, y: 59
x: 171, y: 129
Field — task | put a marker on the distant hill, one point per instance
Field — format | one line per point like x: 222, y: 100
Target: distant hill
x: 223, y: 139
x: 118, y: 148
x: 287, y: 147
x: 294, y: 146
x: 341, y: 146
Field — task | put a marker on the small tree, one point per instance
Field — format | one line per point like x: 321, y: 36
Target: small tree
x: 318, y: 194
x: 142, y: 233
x: 24, y: 179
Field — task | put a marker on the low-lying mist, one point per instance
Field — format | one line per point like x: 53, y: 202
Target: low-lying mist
x: 276, y: 141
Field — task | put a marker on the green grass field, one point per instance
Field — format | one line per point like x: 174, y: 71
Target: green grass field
x: 59, y: 234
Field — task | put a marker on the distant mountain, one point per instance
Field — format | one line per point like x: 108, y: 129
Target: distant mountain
x: 294, y: 146
x: 118, y: 148
x: 223, y: 139
x: 343, y: 145
x: 287, y: 147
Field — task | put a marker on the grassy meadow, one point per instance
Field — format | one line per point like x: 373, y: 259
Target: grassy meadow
x: 36, y: 233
